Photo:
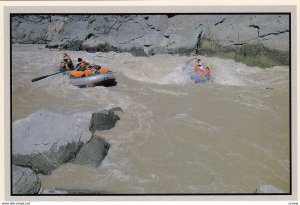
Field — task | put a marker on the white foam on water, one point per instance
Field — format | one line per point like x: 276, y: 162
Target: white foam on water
x: 158, y: 69
x: 176, y: 70
x: 184, y: 147
x: 161, y: 69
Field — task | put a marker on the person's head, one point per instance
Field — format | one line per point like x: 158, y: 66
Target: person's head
x: 65, y: 56
x: 82, y: 64
x: 208, y: 66
x: 79, y: 59
x: 62, y: 64
x: 198, y: 62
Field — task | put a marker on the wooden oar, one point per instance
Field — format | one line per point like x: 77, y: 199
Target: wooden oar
x: 45, y: 76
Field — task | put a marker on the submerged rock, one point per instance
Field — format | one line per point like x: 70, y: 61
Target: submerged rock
x: 104, y: 120
x: 24, y: 181
x: 45, y: 140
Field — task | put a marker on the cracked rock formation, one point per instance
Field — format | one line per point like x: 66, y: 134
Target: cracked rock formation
x: 156, y: 34
x: 44, y: 140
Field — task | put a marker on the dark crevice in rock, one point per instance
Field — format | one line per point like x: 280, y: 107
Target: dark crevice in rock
x: 254, y: 26
x: 220, y: 21
x: 274, y: 34
x: 138, y: 37
x: 91, y: 21
x: 171, y: 15
x: 198, y: 43
x: 89, y: 36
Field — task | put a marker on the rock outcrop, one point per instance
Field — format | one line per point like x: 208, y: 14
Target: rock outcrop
x: 45, y: 140
x: 104, y: 120
x: 93, y: 152
x: 153, y: 34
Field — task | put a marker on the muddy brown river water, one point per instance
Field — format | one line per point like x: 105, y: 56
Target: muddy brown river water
x: 229, y: 135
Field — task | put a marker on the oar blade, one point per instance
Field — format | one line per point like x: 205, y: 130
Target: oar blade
x: 39, y: 78
x: 45, y: 76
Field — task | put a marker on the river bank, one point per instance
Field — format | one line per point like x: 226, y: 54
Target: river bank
x: 255, y: 39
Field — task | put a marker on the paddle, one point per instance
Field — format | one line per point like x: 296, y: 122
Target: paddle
x: 45, y: 76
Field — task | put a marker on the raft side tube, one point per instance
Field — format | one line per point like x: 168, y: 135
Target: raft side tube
x: 199, y: 78
x: 93, y: 79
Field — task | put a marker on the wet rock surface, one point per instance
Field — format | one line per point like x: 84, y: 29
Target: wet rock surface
x: 93, y: 152
x: 45, y: 140
x: 154, y: 34
x: 24, y: 181
x: 104, y: 120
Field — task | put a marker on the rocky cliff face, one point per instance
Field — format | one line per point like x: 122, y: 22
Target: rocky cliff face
x: 153, y: 34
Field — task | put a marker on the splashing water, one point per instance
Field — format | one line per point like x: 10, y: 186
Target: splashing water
x: 228, y: 135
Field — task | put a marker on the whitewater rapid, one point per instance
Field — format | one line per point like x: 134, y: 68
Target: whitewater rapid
x: 228, y: 135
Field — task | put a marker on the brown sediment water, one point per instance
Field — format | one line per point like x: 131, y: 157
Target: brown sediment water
x: 228, y: 135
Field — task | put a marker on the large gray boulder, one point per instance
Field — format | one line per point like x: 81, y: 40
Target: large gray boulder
x: 24, y: 181
x: 45, y: 140
x: 93, y: 152
x: 104, y: 120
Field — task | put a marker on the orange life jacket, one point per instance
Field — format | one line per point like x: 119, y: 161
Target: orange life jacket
x: 88, y: 72
x: 76, y: 73
x: 103, y: 70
